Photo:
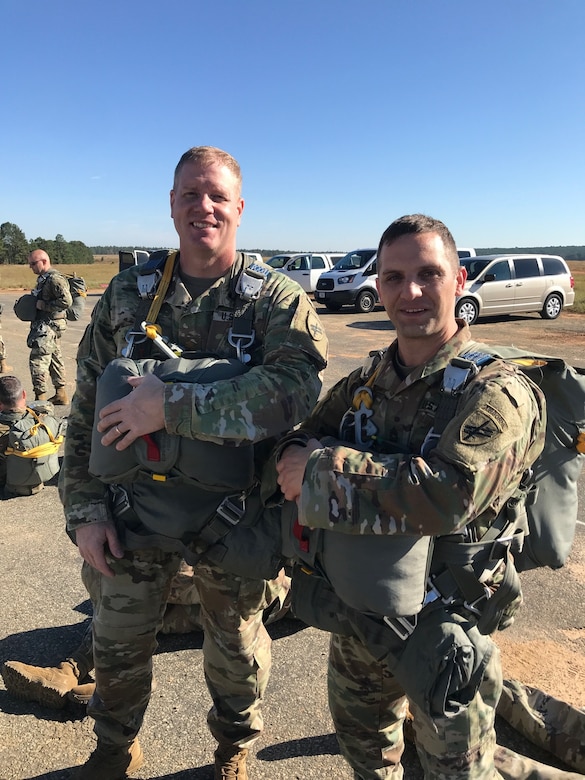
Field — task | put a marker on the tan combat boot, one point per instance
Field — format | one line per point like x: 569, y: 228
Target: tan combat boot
x: 230, y: 763
x: 45, y: 685
x: 81, y: 694
x: 60, y: 397
x: 110, y: 762
x: 40, y: 396
x: 4, y: 367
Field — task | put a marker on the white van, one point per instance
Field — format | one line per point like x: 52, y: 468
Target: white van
x: 351, y: 282
x: 306, y: 267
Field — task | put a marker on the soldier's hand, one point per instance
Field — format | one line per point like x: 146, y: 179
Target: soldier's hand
x: 94, y: 540
x: 291, y: 468
x: 138, y: 413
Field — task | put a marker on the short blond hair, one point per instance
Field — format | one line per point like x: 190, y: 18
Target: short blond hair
x: 206, y: 155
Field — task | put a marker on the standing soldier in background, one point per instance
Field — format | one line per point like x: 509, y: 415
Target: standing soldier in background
x: 53, y: 299
x: 216, y: 301
x: 4, y: 367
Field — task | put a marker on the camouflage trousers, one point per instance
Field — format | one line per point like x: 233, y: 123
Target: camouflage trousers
x: 368, y: 707
x: 46, y: 361
x: 547, y: 722
x: 128, y: 612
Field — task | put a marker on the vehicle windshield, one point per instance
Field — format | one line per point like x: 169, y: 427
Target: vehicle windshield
x: 278, y: 261
x: 354, y: 260
x: 474, y: 266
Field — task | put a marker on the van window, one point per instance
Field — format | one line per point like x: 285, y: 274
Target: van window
x: 299, y: 264
x: 501, y: 271
x: 552, y: 266
x: 355, y: 260
x: 526, y: 267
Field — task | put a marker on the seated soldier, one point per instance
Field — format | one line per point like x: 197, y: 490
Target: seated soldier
x: 26, y: 478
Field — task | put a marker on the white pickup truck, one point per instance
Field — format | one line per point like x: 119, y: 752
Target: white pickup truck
x: 305, y: 267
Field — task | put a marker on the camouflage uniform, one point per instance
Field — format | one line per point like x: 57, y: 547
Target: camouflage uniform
x: 278, y: 391
x: 6, y: 421
x: 182, y: 613
x: 498, y: 430
x: 46, y: 361
x: 546, y: 721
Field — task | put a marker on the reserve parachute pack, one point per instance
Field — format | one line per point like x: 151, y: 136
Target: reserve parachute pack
x: 168, y: 490
x: 25, y: 307
x: 549, y: 491
x: 32, y: 452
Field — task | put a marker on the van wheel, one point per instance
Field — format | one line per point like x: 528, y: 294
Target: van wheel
x: 332, y: 306
x: 467, y: 309
x: 552, y: 307
x: 365, y: 302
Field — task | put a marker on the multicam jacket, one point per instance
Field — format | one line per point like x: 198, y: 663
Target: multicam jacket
x: 53, y: 290
x: 496, y: 434
x: 279, y: 390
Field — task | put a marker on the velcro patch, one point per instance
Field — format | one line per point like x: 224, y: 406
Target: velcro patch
x: 481, y: 426
x: 314, y: 326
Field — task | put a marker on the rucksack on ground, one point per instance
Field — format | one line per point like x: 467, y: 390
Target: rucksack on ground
x: 32, y: 452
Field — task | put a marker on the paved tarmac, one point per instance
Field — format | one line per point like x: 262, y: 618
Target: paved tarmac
x: 44, y: 609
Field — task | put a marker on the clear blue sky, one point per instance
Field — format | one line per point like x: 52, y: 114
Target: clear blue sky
x: 343, y: 116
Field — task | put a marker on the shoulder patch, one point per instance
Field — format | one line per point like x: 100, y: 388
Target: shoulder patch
x: 314, y: 327
x: 481, y: 426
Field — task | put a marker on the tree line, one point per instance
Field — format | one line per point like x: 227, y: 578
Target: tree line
x: 15, y: 247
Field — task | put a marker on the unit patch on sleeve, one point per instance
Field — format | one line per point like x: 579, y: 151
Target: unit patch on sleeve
x: 481, y: 426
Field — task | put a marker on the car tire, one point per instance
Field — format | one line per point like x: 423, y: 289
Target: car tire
x: 332, y: 306
x: 365, y: 302
x: 553, y: 306
x: 467, y: 309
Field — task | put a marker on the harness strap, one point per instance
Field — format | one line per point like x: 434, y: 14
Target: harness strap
x: 137, y: 536
x: 152, y: 289
x: 42, y: 450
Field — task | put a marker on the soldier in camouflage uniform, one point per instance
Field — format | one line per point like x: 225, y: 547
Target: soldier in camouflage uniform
x: 44, y: 338
x: 279, y: 389
x: 385, y: 489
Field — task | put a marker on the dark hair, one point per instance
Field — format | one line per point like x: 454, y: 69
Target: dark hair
x: 10, y: 391
x: 420, y: 223
x: 206, y: 155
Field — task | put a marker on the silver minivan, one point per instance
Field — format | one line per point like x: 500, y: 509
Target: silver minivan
x: 508, y: 284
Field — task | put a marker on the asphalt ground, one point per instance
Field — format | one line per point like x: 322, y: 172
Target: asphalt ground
x: 44, y: 609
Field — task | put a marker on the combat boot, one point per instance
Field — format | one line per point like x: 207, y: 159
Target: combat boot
x: 110, y: 762
x: 230, y: 763
x: 4, y: 367
x: 40, y: 396
x: 81, y: 694
x: 60, y: 397
x: 46, y: 685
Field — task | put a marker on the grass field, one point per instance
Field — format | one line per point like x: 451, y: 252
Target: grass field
x: 97, y: 276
